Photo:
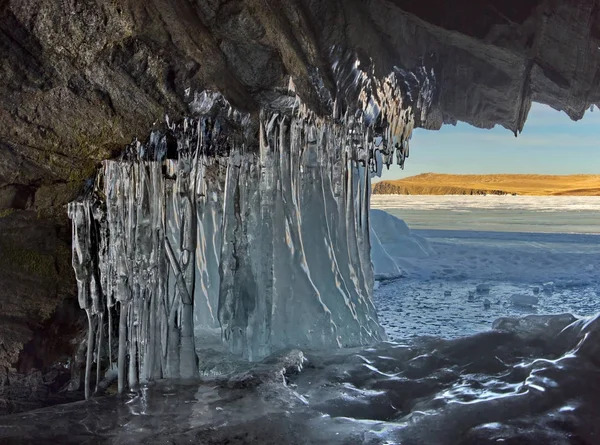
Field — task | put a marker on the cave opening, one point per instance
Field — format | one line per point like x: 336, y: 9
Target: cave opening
x: 215, y: 160
x: 506, y: 231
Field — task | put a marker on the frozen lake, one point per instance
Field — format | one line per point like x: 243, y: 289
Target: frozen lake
x: 545, y: 214
x: 514, y: 244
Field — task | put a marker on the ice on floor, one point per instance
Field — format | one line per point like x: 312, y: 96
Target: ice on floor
x: 488, y: 238
x: 547, y: 260
x: 548, y: 287
x: 528, y: 381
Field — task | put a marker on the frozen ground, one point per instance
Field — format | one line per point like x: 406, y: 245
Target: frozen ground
x: 432, y: 297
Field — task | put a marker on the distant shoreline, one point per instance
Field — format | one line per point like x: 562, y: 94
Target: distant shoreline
x: 493, y: 184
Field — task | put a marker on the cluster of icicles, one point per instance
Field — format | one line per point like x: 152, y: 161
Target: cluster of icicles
x: 254, y: 233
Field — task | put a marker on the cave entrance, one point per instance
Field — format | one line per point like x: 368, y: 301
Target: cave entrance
x: 503, y: 227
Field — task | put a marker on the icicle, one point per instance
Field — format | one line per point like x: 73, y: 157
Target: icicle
x: 99, y: 353
x: 83, y: 252
x: 90, y: 354
x: 264, y: 235
x: 122, y: 346
x: 110, y: 363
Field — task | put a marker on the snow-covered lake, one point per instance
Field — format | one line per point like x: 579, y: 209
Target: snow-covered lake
x: 514, y: 244
x: 545, y: 214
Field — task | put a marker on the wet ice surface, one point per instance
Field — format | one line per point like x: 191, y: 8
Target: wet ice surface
x: 532, y: 381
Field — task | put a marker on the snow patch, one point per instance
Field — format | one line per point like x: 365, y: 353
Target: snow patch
x: 392, y: 243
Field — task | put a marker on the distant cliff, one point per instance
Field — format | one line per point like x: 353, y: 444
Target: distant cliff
x: 497, y: 184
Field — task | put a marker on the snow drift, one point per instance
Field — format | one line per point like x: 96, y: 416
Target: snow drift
x: 393, y: 243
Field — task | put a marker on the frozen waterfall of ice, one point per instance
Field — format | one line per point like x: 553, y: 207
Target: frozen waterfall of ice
x: 238, y: 231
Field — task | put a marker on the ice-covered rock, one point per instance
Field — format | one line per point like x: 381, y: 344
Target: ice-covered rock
x: 388, y: 226
x: 531, y: 380
x: 483, y: 288
x: 523, y: 300
x: 397, y: 237
x: 535, y: 326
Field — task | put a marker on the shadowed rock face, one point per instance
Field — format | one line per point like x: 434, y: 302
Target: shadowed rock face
x: 80, y: 79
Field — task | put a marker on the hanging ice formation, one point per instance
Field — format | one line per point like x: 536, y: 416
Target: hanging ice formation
x: 249, y: 233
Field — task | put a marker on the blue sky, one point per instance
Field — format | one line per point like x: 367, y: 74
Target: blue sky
x: 551, y: 143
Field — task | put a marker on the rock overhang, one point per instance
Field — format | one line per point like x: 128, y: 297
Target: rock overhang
x: 99, y: 74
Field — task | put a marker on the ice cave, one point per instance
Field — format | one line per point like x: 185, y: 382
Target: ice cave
x: 188, y: 250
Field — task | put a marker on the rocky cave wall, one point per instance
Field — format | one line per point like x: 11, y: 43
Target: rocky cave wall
x: 80, y: 79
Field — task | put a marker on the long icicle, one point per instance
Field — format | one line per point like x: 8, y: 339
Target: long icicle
x: 90, y: 353
x: 109, y: 313
x: 122, y: 345
x: 99, y: 350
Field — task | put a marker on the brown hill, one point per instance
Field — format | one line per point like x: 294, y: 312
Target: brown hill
x: 497, y: 184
